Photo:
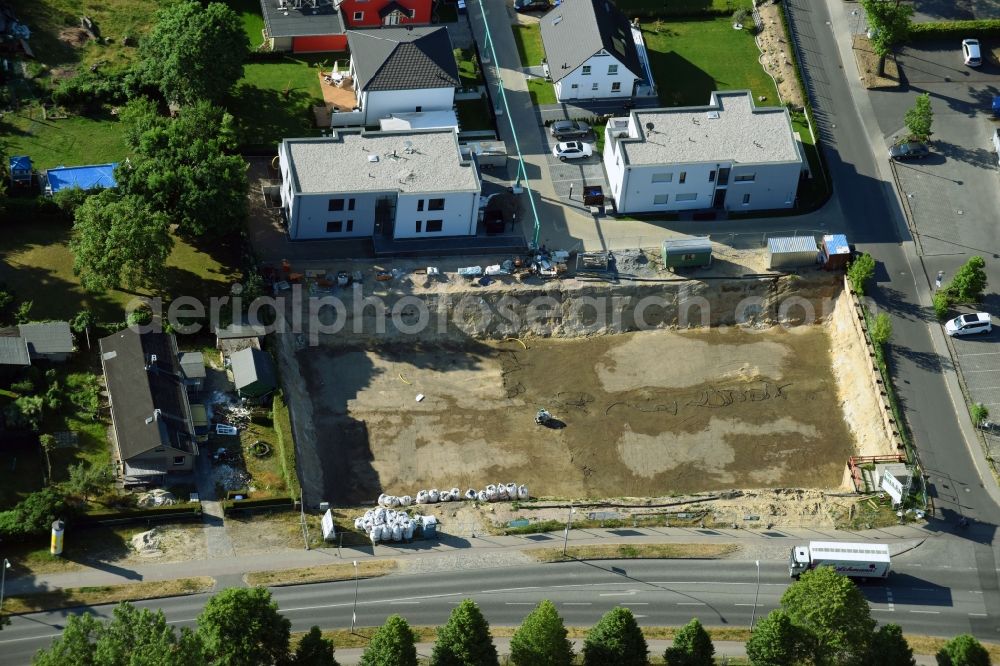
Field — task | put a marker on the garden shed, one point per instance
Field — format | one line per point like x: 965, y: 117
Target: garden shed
x: 253, y: 374
x: 20, y: 171
x: 791, y: 252
x: 687, y: 252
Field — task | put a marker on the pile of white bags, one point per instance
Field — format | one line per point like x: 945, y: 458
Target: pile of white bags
x: 384, y: 524
x: 499, y: 492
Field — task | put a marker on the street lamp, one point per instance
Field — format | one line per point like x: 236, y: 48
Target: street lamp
x: 354, y: 613
x: 3, y: 580
x: 753, y: 613
x: 569, y: 524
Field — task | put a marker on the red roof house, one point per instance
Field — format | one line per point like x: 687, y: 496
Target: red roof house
x: 315, y: 26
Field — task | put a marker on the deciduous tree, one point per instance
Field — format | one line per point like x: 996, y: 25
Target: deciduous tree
x: 963, y: 650
x: 541, y: 639
x: 465, y: 640
x: 242, y: 627
x: 692, y: 647
x: 393, y: 644
x: 314, y: 650
x: 194, y: 51
x: 920, y: 118
x: 889, y: 647
x: 119, y: 241
x: 615, y: 639
x: 776, y: 641
x: 890, y: 25
x: 969, y: 282
x: 86, y: 479
x: 860, y: 271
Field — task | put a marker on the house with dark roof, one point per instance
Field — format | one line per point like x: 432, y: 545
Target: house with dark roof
x: 48, y: 340
x: 592, y: 52
x: 402, y: 70
x: 303, y: 26
x: 150, y: 413
x: 253, y: 374
x: 14, y: 352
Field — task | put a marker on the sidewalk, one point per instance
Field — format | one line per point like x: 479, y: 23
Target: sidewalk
x: 772, y: 544
x: 656, y: 648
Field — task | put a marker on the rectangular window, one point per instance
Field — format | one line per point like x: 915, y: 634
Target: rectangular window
x: 586, y: 70
x: 594, y: 87
x: 334, y: 227
x: 350, y: 204
x: 336, y: 204
x: 745, y: 178
x: 350, y: 225
x: 684, y: 175
x: 420, y: 205
x: 711, y: 176
x: 574, y: 86
x: 663, y: 177
x: 434, y: 225
x: 612, y: 69
x: 690, y: 196
x: 616, y: 86
x: 358, y: 16
x: 660, y: 199
x: 178, y: 460
x: 435, y: 204
x: 746, y: 199
x: 419, y: 224
x: 413, y: 13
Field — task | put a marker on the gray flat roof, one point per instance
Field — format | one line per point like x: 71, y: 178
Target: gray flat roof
x: 324, y: 19
x: 405, y: 161
x: 730, y: 128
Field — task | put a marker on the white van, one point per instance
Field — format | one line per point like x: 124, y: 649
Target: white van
x: 996, y: 144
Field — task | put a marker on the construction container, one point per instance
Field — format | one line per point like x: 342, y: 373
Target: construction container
x: 835, y: 252
x: 687, y: 252
x: 791, y: 252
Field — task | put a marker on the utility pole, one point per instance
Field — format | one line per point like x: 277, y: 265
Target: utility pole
x: 569, y: 523
x: 354, y: 614
x: 753, y: 613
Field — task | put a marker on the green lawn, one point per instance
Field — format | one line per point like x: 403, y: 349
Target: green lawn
x: 813, y: 192
x: 680, y: 7
x: 541, y: 91
x: 473, y: 114
x: 274, y: 100
x: 253, y: 22
x: 528, y: 39
x: 72, y: 141
x: 690, y: 59
x: 468, y: 68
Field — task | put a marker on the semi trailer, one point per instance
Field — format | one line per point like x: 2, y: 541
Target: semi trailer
x: 855, y: 560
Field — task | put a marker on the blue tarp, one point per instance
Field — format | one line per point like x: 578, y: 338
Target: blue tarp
x: 20, y: 163
x: 85, y: 177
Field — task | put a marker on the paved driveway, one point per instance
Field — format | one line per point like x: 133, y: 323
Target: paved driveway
x: 955, y: 10
x: 574, y: 173
x: 979, y: 357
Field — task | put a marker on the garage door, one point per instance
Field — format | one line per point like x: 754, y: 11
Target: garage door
x: 319, y: 43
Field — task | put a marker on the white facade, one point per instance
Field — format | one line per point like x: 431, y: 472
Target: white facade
x: 667, y: 160
x: 382, y: 103
x: 398, y: 184
x: 601, y: 76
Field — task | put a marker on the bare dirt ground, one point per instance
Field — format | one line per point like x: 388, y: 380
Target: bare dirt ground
x: 776, y: 56
x: 646, y: 414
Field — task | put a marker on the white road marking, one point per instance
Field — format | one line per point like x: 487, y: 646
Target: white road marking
x: 405, y: 603
x: 509, y: 589
x: 690, y: 603
x: 30, y: 638
x: 758, y: 605
x: 977, y: 614
x: 883, y: 610
x: 926, y: 612
x: 888, y: 596
x: 520, y: 603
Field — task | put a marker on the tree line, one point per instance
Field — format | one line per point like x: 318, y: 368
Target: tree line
x: 823, y: 620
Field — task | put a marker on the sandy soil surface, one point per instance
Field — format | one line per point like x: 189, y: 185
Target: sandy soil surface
x: 776, y: 56
x: 645, y: 413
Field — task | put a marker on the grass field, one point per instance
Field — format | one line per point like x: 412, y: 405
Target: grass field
x: 253, y: 22
x: 274, y: 100
x: 541, y: 91
x: 106, y: 594
x: 680, y: 7
x: 473, y: 114
x: 72, y: 141
x: 691, y: 59
x: 468, y: 68
x: 528, y: 39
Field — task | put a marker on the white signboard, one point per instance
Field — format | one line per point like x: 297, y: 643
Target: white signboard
x: 891, y: 485
x: 329, y: 531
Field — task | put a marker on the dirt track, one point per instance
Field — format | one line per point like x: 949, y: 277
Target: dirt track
x: 641, y: 418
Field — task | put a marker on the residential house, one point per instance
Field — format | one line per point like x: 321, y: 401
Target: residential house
x: 591, y: 51
x: 393, y: 184
x: 375, y: 13
x: 232, y: 338
x: 193, y: 370
x: 14, y: 352
x: 303, y: 26
x: 402, y: 70
x: 729, y: 155
x: 150, y: 413
x: 90, y: 177
x: 48, y: 340
x: 253, y: 374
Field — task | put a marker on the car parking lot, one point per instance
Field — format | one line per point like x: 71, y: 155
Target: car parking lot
x: 575, y: 173
x: 979, y: 358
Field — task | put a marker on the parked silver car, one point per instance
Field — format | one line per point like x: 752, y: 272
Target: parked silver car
x: 569, y: 129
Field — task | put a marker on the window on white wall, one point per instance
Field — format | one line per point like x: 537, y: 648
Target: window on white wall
x: 418, y: 225
x: 663, y: 177
x: 690, y: 196
x: 358, y: 16
x: 745, y: 178
x: 660, y: 199
x: 746, y: 199
x: 434, y: 225
x: 574, y: 86
x: 711, y: 176
x: 350, y: 204
x: 335, y: 204
x: 683, y: 177
x: 420, y: 204
x: 435, y: 204
x: 350, y: 223
x: 586, y: 70
x: 612, y: 69
x: 616, y: 86
x: 334, y: 227
x: 594, y: 86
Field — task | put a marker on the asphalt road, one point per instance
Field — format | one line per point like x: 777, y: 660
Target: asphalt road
x: 925, y: 600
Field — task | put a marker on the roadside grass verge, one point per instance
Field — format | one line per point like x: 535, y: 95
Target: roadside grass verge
x: 528, y: 39
x: 813, y: 192
x: 692, y: 58
x: 106, y: 594
x: 541, y: 91
x: 321, y: 574
x: 647, y: 551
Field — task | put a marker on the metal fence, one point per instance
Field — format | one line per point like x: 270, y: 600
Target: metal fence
x: 748, y: 240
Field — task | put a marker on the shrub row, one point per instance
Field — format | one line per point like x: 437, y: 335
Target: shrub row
x: 173, y: 512
x: 955, y: 29
x: 230, y: 506
x: 285, y: 443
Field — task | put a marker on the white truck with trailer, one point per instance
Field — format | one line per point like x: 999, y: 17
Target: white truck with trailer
x: 855, y: 560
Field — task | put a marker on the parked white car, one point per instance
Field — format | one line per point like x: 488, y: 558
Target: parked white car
x: 572, y: 150
x: 969, y: 324
x: 971, y: 54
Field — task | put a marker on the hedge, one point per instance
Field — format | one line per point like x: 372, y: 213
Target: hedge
x: 955, y: 29
x: 249, y: 505
x: 285, y: 443
x: 189, y: 511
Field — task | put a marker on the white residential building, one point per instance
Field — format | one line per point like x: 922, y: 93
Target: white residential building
x: 591, y: 51
x: 407, y: 184
x: 728, y: 155
x: 403, y: 70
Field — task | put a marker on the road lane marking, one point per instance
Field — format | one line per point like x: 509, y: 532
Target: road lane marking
x: 690, y: 603
x: 883, y: 610
x: 758, y: 605
x: 626, y: 593
x: 30, y: 638
x: 509, y: 589
x: 519, y: 603
x: 926, y: 612
x: 634, y: 603
x: 977, y: 614
x: 577, y: 603
x: 888, y: 596
x: 405, y: 603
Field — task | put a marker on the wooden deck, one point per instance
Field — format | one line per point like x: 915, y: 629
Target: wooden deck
x: 341, y: 96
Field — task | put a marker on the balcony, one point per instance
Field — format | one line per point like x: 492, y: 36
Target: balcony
x: 340, y: 107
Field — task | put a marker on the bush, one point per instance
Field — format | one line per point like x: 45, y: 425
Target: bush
x: 91, y: 90
x: 979, y: 412
x: 230, y: 506
x: 173, y: 512
x: 34, y: 515
x: 23, y: 386
x: 881, y: 329
x: 954, y: 29
x: 860, y: 271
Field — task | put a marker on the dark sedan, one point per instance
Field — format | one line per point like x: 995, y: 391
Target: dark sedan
x: 569, y: 129
x: 532, y: 5
x: 910, y: 150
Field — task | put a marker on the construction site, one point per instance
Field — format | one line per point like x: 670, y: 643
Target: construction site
x: 734, y: 384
